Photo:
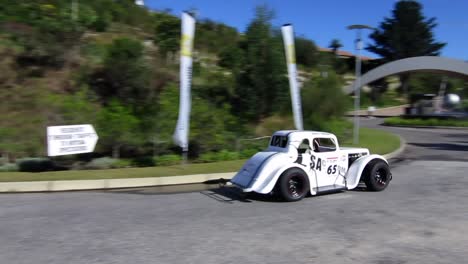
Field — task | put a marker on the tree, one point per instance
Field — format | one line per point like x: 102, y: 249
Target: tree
x: 116, y: 127
x: 124, y: 75
x: 335, y: 45
x: 167, y: 33
x: 306, y: 52
x: 323, y: 103
x: 408, y: 33
x: 262, y: 85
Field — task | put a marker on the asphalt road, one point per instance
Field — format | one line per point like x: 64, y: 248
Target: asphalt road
x: 420, y: 218
x: 428, y: 144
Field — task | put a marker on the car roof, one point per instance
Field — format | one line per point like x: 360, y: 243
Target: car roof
x: 302, y: 133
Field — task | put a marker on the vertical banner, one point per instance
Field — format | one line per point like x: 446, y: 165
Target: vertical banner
x: 288, y: 39
x: 186, y: 46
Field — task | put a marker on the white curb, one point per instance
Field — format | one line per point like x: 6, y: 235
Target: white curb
x: 54, y: 186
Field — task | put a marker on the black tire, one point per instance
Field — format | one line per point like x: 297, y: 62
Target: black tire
x: 377, y: 175
x: 293, y: 185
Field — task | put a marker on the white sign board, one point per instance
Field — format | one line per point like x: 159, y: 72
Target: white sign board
x: 67, y: 140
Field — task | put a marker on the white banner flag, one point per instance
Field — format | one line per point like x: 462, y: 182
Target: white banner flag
x: 186, y: 46
x: 288, y: 39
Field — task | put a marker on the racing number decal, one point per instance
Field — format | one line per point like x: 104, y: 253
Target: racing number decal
x: 313, y: 165
x: 331, y: 169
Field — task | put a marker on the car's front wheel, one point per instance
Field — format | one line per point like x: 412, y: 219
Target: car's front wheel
x: 293, y: 185
x: 377, y: 175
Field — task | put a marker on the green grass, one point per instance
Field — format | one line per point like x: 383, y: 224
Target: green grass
x: 224, y: 166
x: 379, y: 142
x: 398, y: 121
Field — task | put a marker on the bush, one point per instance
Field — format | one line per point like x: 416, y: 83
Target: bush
x: 8, y: 167
x: 145, y: 161
x: 248, y: 153
x: 398, y: 121
x: 167, y: 160
x: 122, y: 163
x: 35, y: 164
x: 101, y: 163
x: 223, y: 155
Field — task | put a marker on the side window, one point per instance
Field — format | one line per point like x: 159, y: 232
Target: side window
x: 323, y: 145
x: 304, y: 147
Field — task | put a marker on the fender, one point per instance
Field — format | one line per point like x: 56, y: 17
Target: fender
x: 266, y: 186
x: 353, y: 176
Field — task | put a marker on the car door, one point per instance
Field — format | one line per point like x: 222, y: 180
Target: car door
x: 327, y: 163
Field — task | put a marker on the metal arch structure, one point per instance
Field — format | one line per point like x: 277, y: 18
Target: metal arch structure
x: 415, y: 64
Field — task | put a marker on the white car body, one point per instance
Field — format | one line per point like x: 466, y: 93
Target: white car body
x: 327, y: 167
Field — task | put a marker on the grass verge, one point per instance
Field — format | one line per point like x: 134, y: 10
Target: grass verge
x: 201, y: 168
x: 398, y: 121
x: 379, y: 142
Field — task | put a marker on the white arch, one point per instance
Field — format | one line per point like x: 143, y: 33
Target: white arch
x: 424, y: 63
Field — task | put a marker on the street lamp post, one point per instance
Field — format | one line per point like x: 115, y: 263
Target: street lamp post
x: 357, y: 86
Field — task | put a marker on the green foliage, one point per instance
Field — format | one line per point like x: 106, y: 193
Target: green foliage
x: 22, y: 128
x: 167, y: 160
x: 335, y: 45
x: 35, y: 164
x: 223, y: 155
x: 231, y: 57
x: 248, y: 153
x: 213, y: 37
x: 377, y: 141
x: 116, y: 126
x: 8, y: 167
x: 124, y: 75
x: 406, y: 34
x: 77, y: 108
x: 398, y: 121
x: 323, y: 100
x: 261, y: 87
x: 144, y: 161
x: 306, y: 52
x: 103, y: 163
x: 167, y: 33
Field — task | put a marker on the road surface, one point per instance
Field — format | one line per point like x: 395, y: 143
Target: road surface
x: 420, y: 218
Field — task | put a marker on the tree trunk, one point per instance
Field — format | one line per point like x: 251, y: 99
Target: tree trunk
x: 116, y: 151
x: 404, y: 80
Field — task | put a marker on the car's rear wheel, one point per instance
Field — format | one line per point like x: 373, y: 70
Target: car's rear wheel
x: 293, y: 185
x: 377, y: 175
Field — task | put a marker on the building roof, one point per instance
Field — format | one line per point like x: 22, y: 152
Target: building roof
x: 344, y: 54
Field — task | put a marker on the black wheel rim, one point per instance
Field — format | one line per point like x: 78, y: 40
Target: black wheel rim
x: 380, y: 177
x: 296, y: 186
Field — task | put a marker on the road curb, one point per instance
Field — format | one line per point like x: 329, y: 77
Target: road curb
x: 397, y: 152
x: 102, y: 184
x: 435, y: 127
x: 76, y: 185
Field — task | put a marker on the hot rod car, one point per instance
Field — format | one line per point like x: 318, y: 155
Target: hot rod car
x: 298, y: 163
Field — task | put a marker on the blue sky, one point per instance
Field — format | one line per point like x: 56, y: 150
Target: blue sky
x: 322, y: 21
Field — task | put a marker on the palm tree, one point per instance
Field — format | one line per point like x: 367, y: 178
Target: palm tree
x: 335, y: 44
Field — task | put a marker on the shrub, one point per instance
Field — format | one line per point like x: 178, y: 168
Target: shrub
x: 398, y: 121
x: 101, y: 163
x: 223, y: 155
x: 35, y: 164
x: 8, y: 167
x: 145, y: 161
x: 167, y: 160
x: 247, y: 153
x: 122, y: 163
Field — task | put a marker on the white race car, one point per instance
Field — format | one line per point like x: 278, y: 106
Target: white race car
x: 297, y: 163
